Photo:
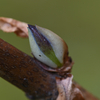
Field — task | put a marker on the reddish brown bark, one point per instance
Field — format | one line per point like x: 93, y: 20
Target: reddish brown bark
x: 25, y: 72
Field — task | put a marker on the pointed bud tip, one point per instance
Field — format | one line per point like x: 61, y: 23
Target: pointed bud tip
x: 31, y: 26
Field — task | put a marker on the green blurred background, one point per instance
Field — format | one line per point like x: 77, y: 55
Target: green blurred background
x: 76, y: 21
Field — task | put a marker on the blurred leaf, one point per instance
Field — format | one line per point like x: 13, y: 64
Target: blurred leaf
x: 11, y: 25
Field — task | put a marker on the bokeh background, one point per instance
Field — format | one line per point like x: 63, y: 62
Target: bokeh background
x: 76, y: 21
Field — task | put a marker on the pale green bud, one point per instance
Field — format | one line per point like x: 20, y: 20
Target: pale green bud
x: 47, y: 47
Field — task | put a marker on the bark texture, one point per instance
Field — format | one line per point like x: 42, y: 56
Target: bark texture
x: 25, y: 72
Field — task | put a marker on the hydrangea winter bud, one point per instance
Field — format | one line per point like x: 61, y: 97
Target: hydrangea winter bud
x: 47, y: 47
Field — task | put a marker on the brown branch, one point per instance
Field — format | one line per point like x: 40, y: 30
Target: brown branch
x: 25, y: 72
